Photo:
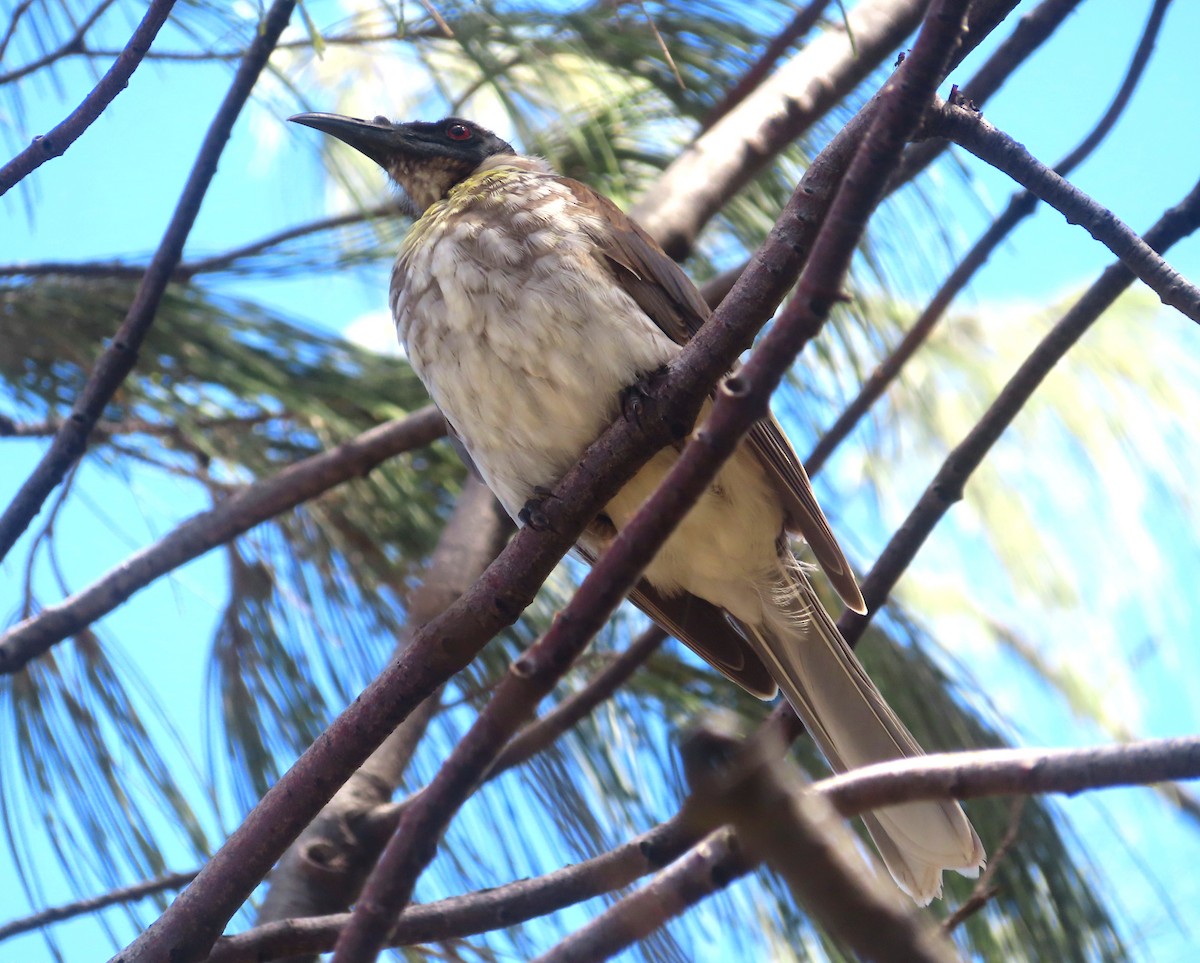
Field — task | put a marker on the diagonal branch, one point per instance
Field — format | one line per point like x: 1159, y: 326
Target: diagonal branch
x: 55, y: 143
x: 1031, y: 31
x: 1019, y: 207
x: 714, y: 864
x: 126, y: 894
x: 969, y: 130
x: 71, y: 45
x: 119, y: 358
x: 993, y: 772
x: 206, y: 530
x: 323, y: 871
x: 947, y: 485
x: 806, y: 18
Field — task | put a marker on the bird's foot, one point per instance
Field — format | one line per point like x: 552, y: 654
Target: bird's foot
x: 638, y: 397
x: 533, y: 515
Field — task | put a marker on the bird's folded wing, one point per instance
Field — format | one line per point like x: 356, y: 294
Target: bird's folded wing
x: 660, y: 288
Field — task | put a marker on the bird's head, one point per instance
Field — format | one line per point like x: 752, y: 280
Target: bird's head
x: 425, y: 159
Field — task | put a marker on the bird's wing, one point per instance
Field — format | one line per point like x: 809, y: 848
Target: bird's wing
x: 662, y: 289
x: 704, y: 629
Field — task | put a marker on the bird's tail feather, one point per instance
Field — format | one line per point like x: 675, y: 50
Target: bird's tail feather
x: 853, y: 726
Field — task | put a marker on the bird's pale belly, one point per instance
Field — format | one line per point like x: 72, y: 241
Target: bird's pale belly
x: 528, y: 361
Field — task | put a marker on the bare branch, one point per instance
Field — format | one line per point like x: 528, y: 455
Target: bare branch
x: 323, y: 871
x: 207, y: 265
x: 126, y: 894
x: 723, y: 160
x: 1031, y: 31
x: 969, y: 130
x: 546, y: 729
x: 754, y: 787
x: 1019, y: 207
x: 712, y: 863
x: 227, y: 519
x: 70, y: 46
x: 947, y: 485
x: 959, y: 775
x: 18, y: 12
x: 207, y: 56
x: 130, y: 426
x: 119, y: 358
x: 55, y: 143
x: 984, y: 890
x: 806, y: 18
x: 488, y: 909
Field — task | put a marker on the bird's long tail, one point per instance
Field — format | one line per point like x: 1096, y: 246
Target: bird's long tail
x: 853, y: 726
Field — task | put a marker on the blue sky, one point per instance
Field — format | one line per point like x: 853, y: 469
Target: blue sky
x: 144, y: 145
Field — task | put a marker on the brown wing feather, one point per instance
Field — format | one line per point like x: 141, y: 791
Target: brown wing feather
x: 699, y: 625
x: 662, y: 289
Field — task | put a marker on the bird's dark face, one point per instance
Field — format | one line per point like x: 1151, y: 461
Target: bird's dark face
x: 425, y: 159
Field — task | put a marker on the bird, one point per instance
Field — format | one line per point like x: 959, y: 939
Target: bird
x: 529, y: 305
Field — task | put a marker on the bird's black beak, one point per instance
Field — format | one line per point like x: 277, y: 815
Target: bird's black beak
x: 379, y: 139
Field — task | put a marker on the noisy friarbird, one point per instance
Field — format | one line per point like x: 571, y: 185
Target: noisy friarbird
x: 528, y: 304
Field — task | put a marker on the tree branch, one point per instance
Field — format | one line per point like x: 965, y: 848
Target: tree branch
x: 227, y: 519
x: 970, y: 131
x: 1031, y: 31
x: 960, y: 775
x: 719, y: 163
x: 126, y: 894
x: 806, y: 18
x: 120, y: 356
x: 73, y: 44
x: 1019, y: 207
x: 323, y: 871
x: 754, y: 787
x: 947, y: 485
x: 55, y: 143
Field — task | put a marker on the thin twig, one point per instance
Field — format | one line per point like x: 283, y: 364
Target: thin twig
x: 131, y: 426
x: 206, y: 530
x: 19, y: 11
x: 546, y: 729
x: 71, y: 45
x: 711, y: 863
x: 126, y: 894
x: 984, y: 890
x: 53, y: 144
x: 947, y: 485
x: 1030, y: 33
x: 970, y: 131
x: 1019, y: 207
x: 119, y: 358
x: 806, y: 18
x: 206, y: 56
x: 207, y: 265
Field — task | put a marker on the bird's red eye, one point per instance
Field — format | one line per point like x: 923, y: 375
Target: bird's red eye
x: 458, y: 132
